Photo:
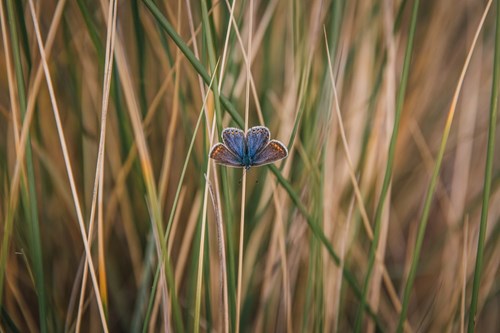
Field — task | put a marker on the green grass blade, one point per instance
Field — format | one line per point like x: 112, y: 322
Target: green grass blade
x: 141, y: 55
x: 174, y: 206
x: 390, y: 161
x: 30, y: 200
x: 318, y: 232
x: 487, y: 177
x: 162, y: 20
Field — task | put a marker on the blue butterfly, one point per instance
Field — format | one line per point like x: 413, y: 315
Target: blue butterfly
x: 254, y: 149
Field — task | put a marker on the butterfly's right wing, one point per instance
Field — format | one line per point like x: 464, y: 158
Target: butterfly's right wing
x: 274, y: 151
x: 234, y: 139
x: 222, y: 155
x: 257, y: 139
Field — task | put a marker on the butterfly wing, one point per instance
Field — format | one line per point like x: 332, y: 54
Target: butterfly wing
x: 234, y: 139
x: 274, y: 151
x: 222, y: 155
x: 257, y: 139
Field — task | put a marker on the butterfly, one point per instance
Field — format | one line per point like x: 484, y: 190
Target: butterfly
x: 244, y: 151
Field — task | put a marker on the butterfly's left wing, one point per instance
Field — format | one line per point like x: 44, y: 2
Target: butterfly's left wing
x: 222, y: 155
x: 274, y: 151
x: 234, y: 139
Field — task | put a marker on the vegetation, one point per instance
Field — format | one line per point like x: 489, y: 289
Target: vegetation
x: 383, y: 217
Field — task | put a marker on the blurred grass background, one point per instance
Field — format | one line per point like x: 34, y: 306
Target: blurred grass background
x: 384, y: 216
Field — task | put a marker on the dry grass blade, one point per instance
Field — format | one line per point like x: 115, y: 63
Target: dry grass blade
x: 99, y: 175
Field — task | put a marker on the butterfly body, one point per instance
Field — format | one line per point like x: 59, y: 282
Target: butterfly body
x: 247, y: 161
x: 244, y: 151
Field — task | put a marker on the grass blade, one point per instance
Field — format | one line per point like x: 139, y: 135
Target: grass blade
x: 390, y: 161
x: 487, y: 178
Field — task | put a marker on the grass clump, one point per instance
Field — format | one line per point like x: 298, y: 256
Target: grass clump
x: 383, y: 217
